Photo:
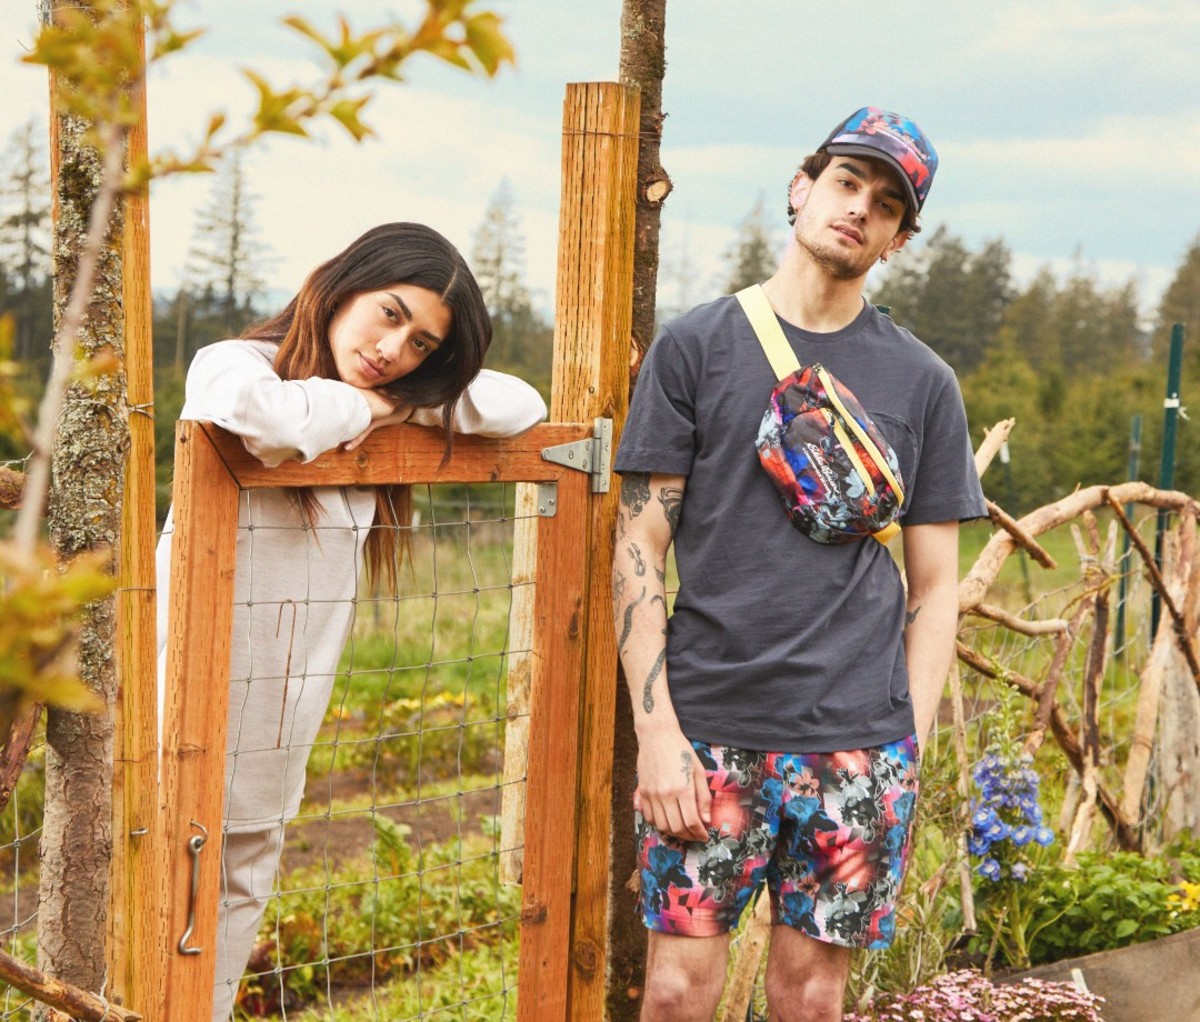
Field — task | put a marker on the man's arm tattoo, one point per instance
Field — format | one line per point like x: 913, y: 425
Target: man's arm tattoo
x: 911, y: 615
x: 635, y: 492
x: 651, y: 678
x: 627, y: 626
x: 619, y: 583
x: 639, y: 562
x: 671, y: 498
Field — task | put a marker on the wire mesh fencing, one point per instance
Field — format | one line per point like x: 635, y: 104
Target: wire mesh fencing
x: 20, y: 827
x: 388, y: 902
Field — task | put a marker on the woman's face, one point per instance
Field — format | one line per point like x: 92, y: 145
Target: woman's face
x: 379, y: 336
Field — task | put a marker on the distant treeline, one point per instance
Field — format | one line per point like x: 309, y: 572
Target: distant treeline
x: 1069, y: 358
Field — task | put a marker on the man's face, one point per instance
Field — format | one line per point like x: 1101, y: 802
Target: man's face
x: 850, y: 216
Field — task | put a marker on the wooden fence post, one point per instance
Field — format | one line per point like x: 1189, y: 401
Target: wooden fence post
x: 193, y: 746
x: 591, y: 379
x: 135, y: 917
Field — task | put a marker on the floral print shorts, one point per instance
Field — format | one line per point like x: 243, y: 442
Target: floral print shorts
x: 828, y: 832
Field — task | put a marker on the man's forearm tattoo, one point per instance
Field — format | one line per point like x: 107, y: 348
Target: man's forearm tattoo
x: 651, y: 678
x: 671, y: 498
x: 619, y: 582
x: 635, y: 492
x: 911, y: 615
x: 639, y: 562
x: 627, y: 625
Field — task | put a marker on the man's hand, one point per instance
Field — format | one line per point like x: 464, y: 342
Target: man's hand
x: 672, y: 792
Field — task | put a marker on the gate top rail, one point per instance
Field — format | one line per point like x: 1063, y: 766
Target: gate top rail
x: 407, y: 454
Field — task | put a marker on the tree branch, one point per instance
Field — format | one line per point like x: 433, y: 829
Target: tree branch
x: 1023, y: 539
x: 78, y: 1004
x: 1160, y: 586
x: 973, y: 587
x: 1019, y: 624
x: 993, y: 440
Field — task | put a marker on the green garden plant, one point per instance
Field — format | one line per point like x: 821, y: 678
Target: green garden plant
x: 1113, y: 899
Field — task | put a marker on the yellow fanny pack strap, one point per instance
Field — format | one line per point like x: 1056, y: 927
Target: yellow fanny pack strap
x: 774, y: 343
x: 768, y: 331
x: 863, y: 437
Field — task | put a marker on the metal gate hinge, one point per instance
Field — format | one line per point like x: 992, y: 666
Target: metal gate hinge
x: 593, y: 455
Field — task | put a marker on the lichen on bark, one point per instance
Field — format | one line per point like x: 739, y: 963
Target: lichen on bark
x: 84, y: 514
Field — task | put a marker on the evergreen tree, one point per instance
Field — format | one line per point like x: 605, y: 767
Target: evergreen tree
x: 223, y: 280
x: 1029, y: 320
x: 1181, y: 304
x: 25, y: 290
x: 680, y: 272
x: 952, y: 300
x: 1097, y: 328
x: 522, y: 342
x: 988, y: 292
x: 754, y: 255
x: 1005, y: 386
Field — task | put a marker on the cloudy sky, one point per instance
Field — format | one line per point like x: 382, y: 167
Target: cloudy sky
x: 1071, y: 128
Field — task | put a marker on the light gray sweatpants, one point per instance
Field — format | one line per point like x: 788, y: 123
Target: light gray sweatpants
x: 249, y: 864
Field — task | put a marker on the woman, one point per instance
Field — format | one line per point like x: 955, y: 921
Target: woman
x: 393, y: 329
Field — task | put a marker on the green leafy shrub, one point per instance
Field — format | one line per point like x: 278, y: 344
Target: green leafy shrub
x: 1113, y: 899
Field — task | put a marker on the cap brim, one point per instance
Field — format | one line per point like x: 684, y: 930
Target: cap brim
x: 871, y: 153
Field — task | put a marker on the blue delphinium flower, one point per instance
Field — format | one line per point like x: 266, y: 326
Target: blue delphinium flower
x: 989, y: 869
x: 1007, y: 817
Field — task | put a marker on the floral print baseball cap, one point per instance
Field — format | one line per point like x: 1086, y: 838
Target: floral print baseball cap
x: 892, y: 137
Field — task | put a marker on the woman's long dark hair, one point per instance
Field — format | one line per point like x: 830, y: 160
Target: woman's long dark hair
x: 400, y: 253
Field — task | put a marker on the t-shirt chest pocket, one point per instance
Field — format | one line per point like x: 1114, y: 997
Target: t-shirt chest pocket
x: 904, y: 442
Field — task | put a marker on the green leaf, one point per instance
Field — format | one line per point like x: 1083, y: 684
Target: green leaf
x: 1125, y: 927
x: 489, y: 44
x: 346, y: 113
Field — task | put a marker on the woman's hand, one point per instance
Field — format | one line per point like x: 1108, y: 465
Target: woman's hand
x: 384, y: 412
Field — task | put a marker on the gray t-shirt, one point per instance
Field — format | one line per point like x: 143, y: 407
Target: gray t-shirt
x: 778, y: 642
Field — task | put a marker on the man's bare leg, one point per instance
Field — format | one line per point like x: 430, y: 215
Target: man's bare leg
x: 806, y: 978
x: 684, y: 977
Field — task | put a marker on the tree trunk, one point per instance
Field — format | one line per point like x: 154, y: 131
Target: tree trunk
x: 84, y: 514
x: 643, y: 63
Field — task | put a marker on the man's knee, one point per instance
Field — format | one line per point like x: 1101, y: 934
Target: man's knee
x: 684, y: 978
x: 813, y: 997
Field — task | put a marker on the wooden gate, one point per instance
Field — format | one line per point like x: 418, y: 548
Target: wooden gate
x: 211, y: 468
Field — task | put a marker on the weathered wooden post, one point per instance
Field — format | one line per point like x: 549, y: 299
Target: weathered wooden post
x: 591, y: 380
x: 135, y: 936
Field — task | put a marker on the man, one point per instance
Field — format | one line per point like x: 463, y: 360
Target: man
x: 780, y: 711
